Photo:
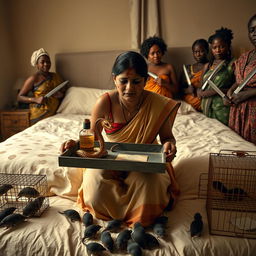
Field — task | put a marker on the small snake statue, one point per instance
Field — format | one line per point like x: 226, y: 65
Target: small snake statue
x: 100, y: 122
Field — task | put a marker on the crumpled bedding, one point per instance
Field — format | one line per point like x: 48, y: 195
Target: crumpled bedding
x: 36, y: 151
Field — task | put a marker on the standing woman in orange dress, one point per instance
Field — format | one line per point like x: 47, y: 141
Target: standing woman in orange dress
x: 242, y: 117
x: 200, y: 50
x: 166, y: 84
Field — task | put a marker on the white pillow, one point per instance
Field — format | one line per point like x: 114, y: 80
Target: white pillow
x: 185, y: 108
x: 80, y: 100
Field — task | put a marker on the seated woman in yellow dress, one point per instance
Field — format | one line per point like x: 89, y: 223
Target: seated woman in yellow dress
x: 136, y: 116
x: 166, y: 83
x: 39, y: 84
x: 200, y: 49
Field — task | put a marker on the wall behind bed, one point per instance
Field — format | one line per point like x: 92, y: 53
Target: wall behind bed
x: 85, y: 25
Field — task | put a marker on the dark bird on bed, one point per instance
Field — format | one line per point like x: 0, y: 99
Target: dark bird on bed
x: 151, y: 242
x: 159, y: 226
x: 94, y: 248
x: 122, y: 239
x: 87, y: 219
x: 107, y: 240
x: 230, y: 194
x: 33, y: 207
x: 91, y: 231
x: 4, y: 189
x: 113, y: 225
x: 12, y: 220
x: 196, y: 226
x: 139, y: 235
x: 71, y: 214
x: 28, y: 192
x: 133, y: 248
x: 6, y: 212
x: 159, y: 230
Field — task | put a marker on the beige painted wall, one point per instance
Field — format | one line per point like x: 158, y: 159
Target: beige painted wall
x: 67, y: 26
x: 184, y: 21
x: 6, y: 71
x: 91, y: 25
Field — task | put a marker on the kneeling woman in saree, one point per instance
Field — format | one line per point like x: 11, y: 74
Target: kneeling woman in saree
x: 137, y: 116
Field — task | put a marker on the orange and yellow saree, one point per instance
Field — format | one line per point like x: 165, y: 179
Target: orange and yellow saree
x: 132, y: 196
x: 49, y: 108
x: 153, y: 86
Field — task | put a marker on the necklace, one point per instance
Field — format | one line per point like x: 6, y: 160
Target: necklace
x: 129, y: 113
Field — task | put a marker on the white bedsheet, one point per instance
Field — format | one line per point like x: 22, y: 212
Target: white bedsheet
x: 35, y: 150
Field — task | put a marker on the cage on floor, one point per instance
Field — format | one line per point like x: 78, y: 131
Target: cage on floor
x: 17, y: 190
x: 230, y: 192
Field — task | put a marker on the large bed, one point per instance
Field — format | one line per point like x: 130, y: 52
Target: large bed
x: 36, y: 150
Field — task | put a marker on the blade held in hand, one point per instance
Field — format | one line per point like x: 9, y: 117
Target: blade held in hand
x: 186, y: 75
x: 152, y: 75
x: 57, y: 88
x: 216, y: 89
x: 214, y: 72
x: 246, y: 80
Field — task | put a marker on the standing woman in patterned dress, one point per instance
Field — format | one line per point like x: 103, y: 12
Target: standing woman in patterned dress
x: 211, y: 103
x: 242, y: 117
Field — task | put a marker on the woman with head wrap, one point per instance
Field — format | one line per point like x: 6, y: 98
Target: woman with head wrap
x: 211, y: 103
x: 42, y: 82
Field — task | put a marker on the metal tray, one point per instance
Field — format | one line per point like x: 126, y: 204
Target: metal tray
x: 155, y: 162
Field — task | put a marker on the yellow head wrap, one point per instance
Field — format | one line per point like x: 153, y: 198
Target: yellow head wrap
x: 37, y: 54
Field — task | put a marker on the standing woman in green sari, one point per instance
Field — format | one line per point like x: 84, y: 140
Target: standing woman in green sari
x: 38, y: 85
x: 211, y: 103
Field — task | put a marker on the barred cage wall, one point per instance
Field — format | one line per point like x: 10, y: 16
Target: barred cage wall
x: 19, y: 182
x: 230, y: 192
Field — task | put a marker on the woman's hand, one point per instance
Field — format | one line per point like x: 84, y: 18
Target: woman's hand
x: 189, y: 90
x: 169, y: 150
x: 39, y: 100
x: 67, y: 144
x: 58, y: 95
x: 240, y: 97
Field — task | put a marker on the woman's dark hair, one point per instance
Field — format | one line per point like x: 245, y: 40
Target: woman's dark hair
x: 250, y: 20
x: 128, y: 60
x: 148, y: 43
x: 202, y: 42
x: 223, y: 33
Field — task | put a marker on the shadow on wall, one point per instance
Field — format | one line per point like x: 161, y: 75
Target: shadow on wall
x: 93, y: 69
x: 177, y: 56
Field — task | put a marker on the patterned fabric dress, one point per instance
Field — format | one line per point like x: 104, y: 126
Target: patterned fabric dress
x: 242, y: 117
x: 213, y: 106
x: 49, y: 108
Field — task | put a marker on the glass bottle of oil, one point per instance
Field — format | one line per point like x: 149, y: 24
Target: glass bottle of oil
x: 86, y: 136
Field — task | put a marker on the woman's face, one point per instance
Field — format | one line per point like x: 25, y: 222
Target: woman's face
x: 129, y: 85
x: 199, y: 53
x: 44, y: 64
x: 155, y: 55
x: 219, y: 49
x: 252, y: 32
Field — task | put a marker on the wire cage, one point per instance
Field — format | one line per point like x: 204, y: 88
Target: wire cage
x: 18, y: 183
x: 230, y: 192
